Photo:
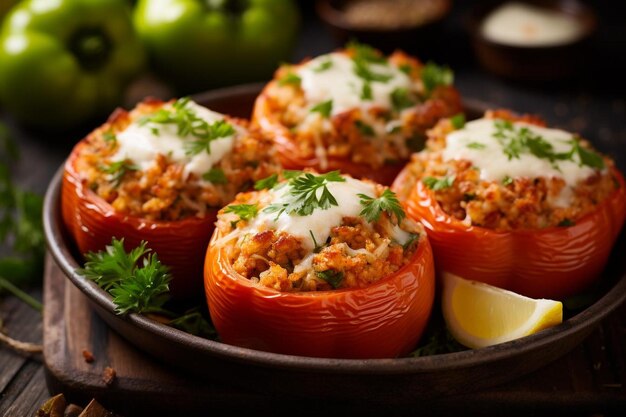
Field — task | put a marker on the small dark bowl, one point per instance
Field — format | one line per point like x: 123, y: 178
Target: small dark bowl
x: 535, y: 63
x: 420, y: 39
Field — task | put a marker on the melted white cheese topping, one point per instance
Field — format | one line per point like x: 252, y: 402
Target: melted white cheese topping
x: 521, y: 24
x: 340, y: 83
x: 494, y: 165
x: 142, y: 143
x: 320, y: 222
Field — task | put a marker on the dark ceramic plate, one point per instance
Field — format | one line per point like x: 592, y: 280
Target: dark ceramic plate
x: 391, y: 381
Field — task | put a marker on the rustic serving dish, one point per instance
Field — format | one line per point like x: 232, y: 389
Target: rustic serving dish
x: 534, y: 63
x: 389, y: 381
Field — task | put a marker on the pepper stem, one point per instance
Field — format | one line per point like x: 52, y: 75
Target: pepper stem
x: 91, y: 47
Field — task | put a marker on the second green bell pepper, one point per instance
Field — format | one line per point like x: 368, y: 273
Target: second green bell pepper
x: 63, y: 62
x: 199, y: 44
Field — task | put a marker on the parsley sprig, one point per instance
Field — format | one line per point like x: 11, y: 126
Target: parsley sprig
x: 188, y: 123
x: 302, y: 197
x: 137, y: 280
x: 139, y: 283
x: 387, y: 202
x: 437, y: 184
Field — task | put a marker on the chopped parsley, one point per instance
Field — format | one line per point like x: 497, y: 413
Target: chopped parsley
x: 324, y: 66
x: 476, y: 145
x: 215, y: 176
x: 364, y: 128
x: 303, y: 199
x: 412, y: 239
x: 109, y: 136
x: 363, y: 70
x: 401, y: 99
x: 363, y: 52
x: 214, y: 131
x: 324, y: 108
x: 406, y: 68
x: 434, y: 75
x: 334, y: 278
x: 266, y: 183
x: 244, y: 211
x: 566, y: 223
x: 317, y: 247
x: 436, y: 184
x: 290, y: 79
x: 387, y: 202
x: 507, y: 180
x: 515, y: 141
x: 188, y: 123
x: 458, y: 121
x: 366, y: 91
x: 117, y: 170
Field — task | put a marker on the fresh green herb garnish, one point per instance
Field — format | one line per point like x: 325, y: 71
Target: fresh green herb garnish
x: 366, y: 91
x: 587, y: 157
x: 117, y: 170
x: 434, y: 75
x: 303, y: 199
x: 365, y: 52
x: 215, y: 176
x: 137, y: 280
x: 476, y: 145
x: 324, y: 108
x: 458, y: 121
x: 317, y: 247
x: 109, y: 136
x: 517, y: 141
x: 188, y: 123
x: 214, y: 131
x: 266, y: 183
x: 334, y: 278
x: 401, y: 99
x: 326, y: 65
x: 387, y: 202
x: 566, y: 223
x: 507, y: 180
x: 436, y: 184
x: 364, y: 128
x: 406, y: 68
x: 289, y: 78
x: 244, y: 211
x: 410, y: 241
x: 139, y: 283
x: 362, y: 70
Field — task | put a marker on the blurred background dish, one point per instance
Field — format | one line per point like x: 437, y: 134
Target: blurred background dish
x: 411, y: 25
x: 532, y: 39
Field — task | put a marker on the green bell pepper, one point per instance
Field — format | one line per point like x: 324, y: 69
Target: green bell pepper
x: 199, y: 44
x: 63, y: 62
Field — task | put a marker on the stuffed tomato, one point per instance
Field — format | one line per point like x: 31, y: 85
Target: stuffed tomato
x: 159, y: 173
x: 514, y: 204
x: 354, y: 110
x: 321, y: 266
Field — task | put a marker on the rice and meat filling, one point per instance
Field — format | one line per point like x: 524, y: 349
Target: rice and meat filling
x: 169, y: 161
x: 361, y: 105
x: 472, y: 171
x: 342, y: 246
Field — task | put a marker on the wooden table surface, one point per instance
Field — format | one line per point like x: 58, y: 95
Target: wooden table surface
x: 593, y: 104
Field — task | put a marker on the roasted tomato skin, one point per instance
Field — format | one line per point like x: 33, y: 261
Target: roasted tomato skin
x: 555, y: 262
x: 92, y: 223
x: 383, y: 320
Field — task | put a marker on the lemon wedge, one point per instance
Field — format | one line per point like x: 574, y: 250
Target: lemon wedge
x: 480, y: 315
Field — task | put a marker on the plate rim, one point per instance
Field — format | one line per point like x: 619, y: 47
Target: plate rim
x: 583, y: 322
